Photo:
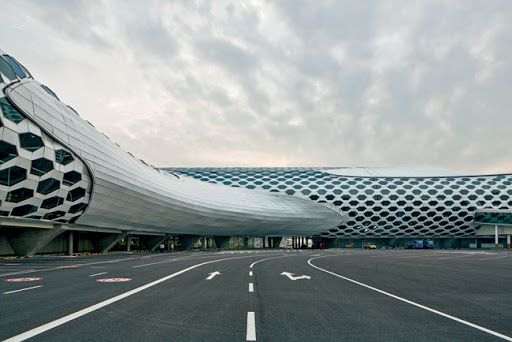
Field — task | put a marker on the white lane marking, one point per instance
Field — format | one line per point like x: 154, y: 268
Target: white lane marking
x: 251, y: 327
x: 21, y: 280
x: 250, y: 273
x: 212, y: 275
x: 257, y: 262
x: 113, y: 280
x: 97, y: 274
x: 497, y: 334
x: 25, y: 289
x: 292, y: 277
x: 48, y: 326
x: 87, y: 264
x: 18, y: 272
x: 251, y: 287
x: 493, y: 258
x: 172, y: 259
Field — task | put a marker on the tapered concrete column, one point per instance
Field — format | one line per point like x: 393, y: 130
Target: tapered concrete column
x: 263, y: 239
x: 128, y: 242
x: 70, y: 242
x: 188, y: 240
x: 496, y: 237
x: 276, y: 241
x: 246, y: 243
x: 221, y: 241
x: 508, y: 241
x: 27, y: 242
x: 104, y: 243
x: 157, y: 241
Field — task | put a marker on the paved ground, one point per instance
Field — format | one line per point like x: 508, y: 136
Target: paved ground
x: 351, y: 295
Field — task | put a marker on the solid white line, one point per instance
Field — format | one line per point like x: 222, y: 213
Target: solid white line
x: 251, y: 327
x: 97, y: 274
x: 250, y: 273
x: 497, y: 334
x: 25, y: 289
x: 251, y: 287
x: 48, y: 326
x: 256, y: 262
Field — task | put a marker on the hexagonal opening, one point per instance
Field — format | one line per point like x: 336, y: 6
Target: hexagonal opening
x: 12, y: 175
x: 19, y: 195
x: 48, y: 185
x: 54, y: 215
x: 30, y: 141
x: 24, y: 210
x: 52, y: 202
x: 41, y: 166
x: 10, y: 113
x: 75, y: 194
x: 77, y: 207
x: 71, y: 178
x: 63, y: 157
x: 7, y: 151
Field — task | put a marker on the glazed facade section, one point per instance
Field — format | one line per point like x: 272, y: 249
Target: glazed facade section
x: 387, y: 207
x: 52, y: 152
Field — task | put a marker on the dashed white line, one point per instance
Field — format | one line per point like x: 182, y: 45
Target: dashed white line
x: 251, y: 287
x: 497, y: 334
x: 97, y: 274
x: 250, y: 273
x: 25, y: 289
x: 251, y: 326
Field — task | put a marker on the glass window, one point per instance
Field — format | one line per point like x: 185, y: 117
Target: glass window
x: 49, y: 91
x: 30, y: 141
x: 12, y: 175
x: 41, y: 166
x: 17, y: 69
x: 5, y: 68
x: 7, y: 152
x: 9, y: 112
x: 23, y: 68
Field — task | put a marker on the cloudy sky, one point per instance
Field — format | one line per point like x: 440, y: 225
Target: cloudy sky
x: 280, y: 83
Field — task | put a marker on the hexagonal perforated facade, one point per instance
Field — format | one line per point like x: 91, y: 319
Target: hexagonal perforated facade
x: 34, y: 181
x: 386, y: 207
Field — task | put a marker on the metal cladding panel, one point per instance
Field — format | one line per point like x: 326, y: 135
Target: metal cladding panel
x: 128, y: 194
x: 380, y: 206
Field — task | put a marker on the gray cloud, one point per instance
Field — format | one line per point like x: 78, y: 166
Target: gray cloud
x: 280, y: 83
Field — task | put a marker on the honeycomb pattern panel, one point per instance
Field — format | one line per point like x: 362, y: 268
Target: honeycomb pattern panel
x: 39, y: 177
x: 386, y: 207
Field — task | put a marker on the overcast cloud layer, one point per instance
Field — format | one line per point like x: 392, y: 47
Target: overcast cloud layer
x: 280, y: 83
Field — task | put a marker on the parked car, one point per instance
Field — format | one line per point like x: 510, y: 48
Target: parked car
x: 414, y: 244
x: 369, y: 245
x: 428, y: 244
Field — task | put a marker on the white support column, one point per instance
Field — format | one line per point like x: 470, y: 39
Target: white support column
x: 496, y: 240
x: 508, y: 241
x: 128, y: 243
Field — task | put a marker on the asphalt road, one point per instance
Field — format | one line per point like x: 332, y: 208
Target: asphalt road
x: 338, y: 295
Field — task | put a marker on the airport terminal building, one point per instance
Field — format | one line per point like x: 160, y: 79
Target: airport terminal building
x: 66, y: 188
x: 390, y: 204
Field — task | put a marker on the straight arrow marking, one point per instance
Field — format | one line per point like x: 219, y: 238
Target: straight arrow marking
x: 292, y: 277
x: 212, y: 275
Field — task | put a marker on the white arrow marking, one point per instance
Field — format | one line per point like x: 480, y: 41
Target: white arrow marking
x: 212, y: 275
x: 291, y: 277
